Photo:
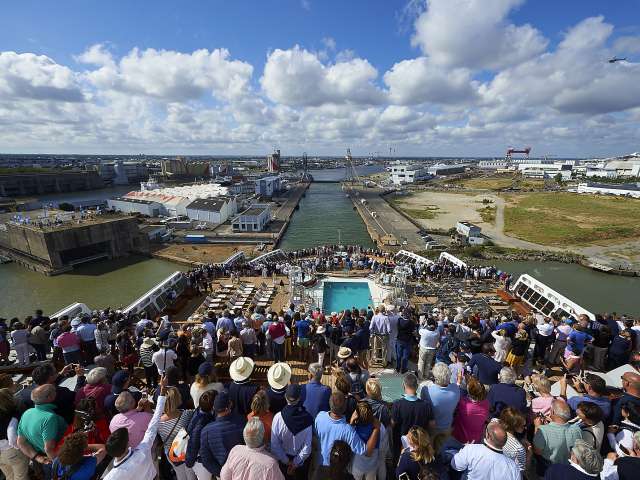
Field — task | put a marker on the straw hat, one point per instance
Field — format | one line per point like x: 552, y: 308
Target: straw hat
x: 241, y: 369
x: 321, y: 329
x: 150, y: 342
x: 279, y: 375
x: 344, y: 352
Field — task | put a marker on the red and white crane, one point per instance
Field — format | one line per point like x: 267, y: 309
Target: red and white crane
x: 512, y: 150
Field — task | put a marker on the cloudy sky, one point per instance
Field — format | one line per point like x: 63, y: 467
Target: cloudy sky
x: 419, y: 77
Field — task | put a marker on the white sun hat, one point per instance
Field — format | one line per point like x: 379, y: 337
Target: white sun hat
x: 241, y: 368
x: 279, y: 375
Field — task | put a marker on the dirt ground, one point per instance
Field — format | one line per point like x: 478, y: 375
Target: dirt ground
x: 206, y: 253
x: 452, y: 207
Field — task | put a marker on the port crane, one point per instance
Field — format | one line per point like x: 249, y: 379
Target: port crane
x: 512, y: 150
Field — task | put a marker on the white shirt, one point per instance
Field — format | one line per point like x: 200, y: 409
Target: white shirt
x: 284, y: 443
x: 483, y: 463
x: 12, y: 436
x: 429, y: 339
x: 545, y: 329
x: 138, y: 463
x: 380, y: 324
x: 197, y: 391
x: 207, y: 342
x: 163, y: 359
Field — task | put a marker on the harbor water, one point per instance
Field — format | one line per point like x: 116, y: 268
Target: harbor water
x: 114, y: 283
x: 596, y: 291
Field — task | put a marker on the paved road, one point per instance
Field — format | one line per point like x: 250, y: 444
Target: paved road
x: 497, y: 235
x: 389, y: 221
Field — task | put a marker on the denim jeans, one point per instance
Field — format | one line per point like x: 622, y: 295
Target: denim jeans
x: 402, y: 356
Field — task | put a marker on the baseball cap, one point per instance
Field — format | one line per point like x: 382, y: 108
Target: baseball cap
x: 222, y: 401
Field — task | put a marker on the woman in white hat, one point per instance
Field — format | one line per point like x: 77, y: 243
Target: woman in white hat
x: 278, y: 377
x: 242, y: 390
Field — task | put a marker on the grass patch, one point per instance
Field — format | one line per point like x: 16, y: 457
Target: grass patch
x: 488, y: 214
x: 563, y: 219
x: 497, y: 183
x: 429, y: 212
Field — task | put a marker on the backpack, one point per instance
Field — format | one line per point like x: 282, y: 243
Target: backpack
x: 178, y: 450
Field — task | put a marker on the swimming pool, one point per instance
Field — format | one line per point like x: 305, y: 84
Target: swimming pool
x: 341, y: 295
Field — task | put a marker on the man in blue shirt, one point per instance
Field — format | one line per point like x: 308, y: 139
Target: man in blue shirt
x: 225, y: 323
x: 593, y: 389
x: 484, y: 367
x: 331, y: 426
x: 303, y: 329
x: 315, y: 395
x: 577, y: 339
x: 219, y: 437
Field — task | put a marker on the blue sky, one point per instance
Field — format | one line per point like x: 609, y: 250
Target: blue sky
x: 421, y: 104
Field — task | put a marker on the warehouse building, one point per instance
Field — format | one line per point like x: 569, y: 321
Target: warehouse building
x: 268, y: 186
x: 253, y: 219
x: 405, y: 173
x: 625, y: 190
x: 212, y: 210
x: 135, y: 205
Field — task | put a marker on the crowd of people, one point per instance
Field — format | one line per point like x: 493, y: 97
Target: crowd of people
x: 161, y: 401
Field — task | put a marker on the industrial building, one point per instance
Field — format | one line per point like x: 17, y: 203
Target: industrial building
x: 446, y: 169
x: 267, y: 186
x: 58, y: 246
x: 174, y: 200
x: 181, y: 168
x: 469, y: 233
x: 546, y: 170
x: 273, y: 162
x: 123, y: 173
x: 39, y: 183
x: 135, y: 205
x: 406, y: 173
x: 626, y: 189
x: 253, y: 219
x: 212, y: 210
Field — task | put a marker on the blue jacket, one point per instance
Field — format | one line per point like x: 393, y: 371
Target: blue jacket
x: 198, y: 421
x: 315, y: 398
x: 217, y: 439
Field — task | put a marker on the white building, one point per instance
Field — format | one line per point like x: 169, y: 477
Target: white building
x: 626, y: 190
x: 253, y: 219
x: 212, y: 210
x: 135, y: 205
x: 267, y: 186
x: 546, y: 170
x: 174, y: 200
x: 405, y: 173
x: 493, y: 164
x: 600, y: 173
x: 467, y: 229
x: 625, y: 168
x: 447, y: 168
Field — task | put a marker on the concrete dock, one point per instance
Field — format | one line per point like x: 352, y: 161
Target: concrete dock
x: 382, y: 220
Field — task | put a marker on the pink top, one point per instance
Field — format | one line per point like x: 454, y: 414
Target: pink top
x: 68, y: 342
x: 250, y: 464
x: 134, y: 421
x: 469, y: 421
x: 542, y: 404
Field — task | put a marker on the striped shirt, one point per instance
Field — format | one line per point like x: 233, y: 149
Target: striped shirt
x: 169, y: 428
x: 515, y: 451
x: 146, y: 355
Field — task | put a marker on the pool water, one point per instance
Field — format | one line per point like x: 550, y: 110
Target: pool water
x: 339, y: 296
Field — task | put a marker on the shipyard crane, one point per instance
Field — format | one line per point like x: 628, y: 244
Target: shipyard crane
x: 351, y: 174
x: 512, y: 150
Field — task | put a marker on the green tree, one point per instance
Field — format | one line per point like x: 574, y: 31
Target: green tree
x: 66, y: 207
